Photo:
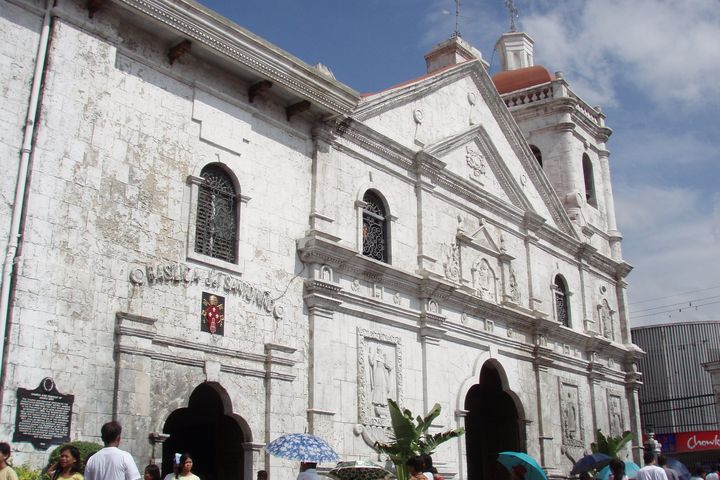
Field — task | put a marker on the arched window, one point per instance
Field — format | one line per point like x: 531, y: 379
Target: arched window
x: 538, y: 154
x: 375, y: 228
x: 562, y: 308
x: 216, y: 223
x: 589, y: 181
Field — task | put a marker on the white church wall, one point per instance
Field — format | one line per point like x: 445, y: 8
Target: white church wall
x: 19, y: 32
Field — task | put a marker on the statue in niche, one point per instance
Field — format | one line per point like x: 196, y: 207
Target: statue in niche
x: 616, y: 428
x: 570, y: 419
x: 380, y: 379
x: 452, y: 261
x: 483, y: 280
x: 606, y: 326
x: 476, y: 162
x: 514, y: 291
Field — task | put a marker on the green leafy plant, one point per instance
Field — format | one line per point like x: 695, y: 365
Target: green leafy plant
x: 610, y: 446
x: 25, y: 472
x: 410, y: 436
x: 86, y: 449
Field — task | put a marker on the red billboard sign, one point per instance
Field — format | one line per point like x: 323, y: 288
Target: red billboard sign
x: 697, y: 441
x: 684, y: 442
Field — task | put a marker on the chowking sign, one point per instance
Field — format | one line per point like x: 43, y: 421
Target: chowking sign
x: 181, y: 274
x: 683, y: 442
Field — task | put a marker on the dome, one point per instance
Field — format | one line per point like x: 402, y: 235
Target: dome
x: 512, y: 80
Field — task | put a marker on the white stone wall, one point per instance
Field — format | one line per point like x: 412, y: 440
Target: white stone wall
x: 19, y: 33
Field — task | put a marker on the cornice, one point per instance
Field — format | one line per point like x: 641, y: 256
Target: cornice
x: 219, y: 35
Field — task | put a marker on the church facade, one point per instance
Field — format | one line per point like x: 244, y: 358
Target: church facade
x: 216, y: 244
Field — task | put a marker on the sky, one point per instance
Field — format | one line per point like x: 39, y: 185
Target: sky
x: 653, y: 66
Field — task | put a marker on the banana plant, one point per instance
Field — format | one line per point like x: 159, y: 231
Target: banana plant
x: 610, y: 446
x: 410, y: 437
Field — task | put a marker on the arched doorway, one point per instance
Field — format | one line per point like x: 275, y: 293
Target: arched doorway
x: 492, y: 425
x: 204, y: 430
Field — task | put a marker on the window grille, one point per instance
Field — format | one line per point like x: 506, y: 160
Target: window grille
x: 561, y: 305
x: 216, y: 227
x: 374, y: 232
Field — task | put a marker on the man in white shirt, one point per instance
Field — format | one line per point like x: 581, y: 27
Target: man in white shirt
x: 308, y: 471
x: 650, y: 471
x: 111, y: 463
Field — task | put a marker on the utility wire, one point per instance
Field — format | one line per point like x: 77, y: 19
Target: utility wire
x: 688, y: 302
x: 675, y: 295
x: 679, y: 310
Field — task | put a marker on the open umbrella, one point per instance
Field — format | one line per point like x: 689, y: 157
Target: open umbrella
x: 631, y: 470
x: 359, y: 470
x: 302, y: 447
x: 523, y: 461
x: 590, y: 462
x: 679, y: 467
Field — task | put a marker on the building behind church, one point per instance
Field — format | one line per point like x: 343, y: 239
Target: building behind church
x: 215, y: 244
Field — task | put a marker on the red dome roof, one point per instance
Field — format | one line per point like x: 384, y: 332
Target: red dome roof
x: 512, y: 80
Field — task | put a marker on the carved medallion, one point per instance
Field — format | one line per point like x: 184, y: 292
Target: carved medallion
x: 476, y: 162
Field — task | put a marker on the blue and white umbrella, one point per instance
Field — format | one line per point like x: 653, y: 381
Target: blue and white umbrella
x: 302, y: 447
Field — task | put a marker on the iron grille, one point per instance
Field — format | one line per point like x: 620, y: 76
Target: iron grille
x: 374, y: 228
x: 561, y: 306
x: 216, y: 227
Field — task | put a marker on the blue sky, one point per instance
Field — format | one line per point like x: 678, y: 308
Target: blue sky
x: 653, y: 66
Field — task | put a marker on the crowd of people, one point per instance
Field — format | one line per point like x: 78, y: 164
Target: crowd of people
x: 108, y: 463
x: 112, y: 463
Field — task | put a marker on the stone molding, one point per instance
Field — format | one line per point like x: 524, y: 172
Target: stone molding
x: 230, y: 40
x: 131, y: 328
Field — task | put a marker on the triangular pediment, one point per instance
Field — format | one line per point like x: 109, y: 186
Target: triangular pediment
x: 456, y: 117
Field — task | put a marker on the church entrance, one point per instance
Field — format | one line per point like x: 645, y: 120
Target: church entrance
x: 204, y: 430
x: 492, y: 425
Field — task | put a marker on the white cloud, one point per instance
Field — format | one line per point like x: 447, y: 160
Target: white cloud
x: 675, y: 248
x: 666, y: 48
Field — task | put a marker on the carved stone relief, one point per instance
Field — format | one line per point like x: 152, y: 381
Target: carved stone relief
x: 451, y: 262
x: 476, y: 162
x: 326, y: 273
x: 484, y: 281
x: 605, y: 318
x: 379, y: 376
x: 615, y: 413
x: 572, y: 432
x: 513, y: 287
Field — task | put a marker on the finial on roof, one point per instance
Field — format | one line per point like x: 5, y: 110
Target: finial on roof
x: 513, y: 11
x: 457, y: 19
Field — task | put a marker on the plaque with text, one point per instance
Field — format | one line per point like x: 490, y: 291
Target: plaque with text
x: 43, y: 415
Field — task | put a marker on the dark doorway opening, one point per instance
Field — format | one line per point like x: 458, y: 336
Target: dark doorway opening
x: 492, y: 426
x: 211, y: 437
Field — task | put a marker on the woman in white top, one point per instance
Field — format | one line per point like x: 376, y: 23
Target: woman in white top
x: 185, y: 466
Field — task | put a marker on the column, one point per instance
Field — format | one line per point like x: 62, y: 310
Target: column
x: 632, y: 389
x: 614, y: 234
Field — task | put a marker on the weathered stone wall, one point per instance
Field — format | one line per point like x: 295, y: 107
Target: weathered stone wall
x: 20, y: 31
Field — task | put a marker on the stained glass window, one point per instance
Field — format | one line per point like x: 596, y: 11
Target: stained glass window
x: 374, y: 232
x: 561, y: 302
x: 216, y: 227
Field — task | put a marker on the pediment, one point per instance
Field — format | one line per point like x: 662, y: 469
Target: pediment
x: 457, y: 117
x: 472, y: 158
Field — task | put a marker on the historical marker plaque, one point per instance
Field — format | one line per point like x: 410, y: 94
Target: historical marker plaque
x: 43, y: 415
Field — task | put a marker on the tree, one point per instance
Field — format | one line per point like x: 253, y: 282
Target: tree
x: 410, y: 436
x: 610, y: 446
